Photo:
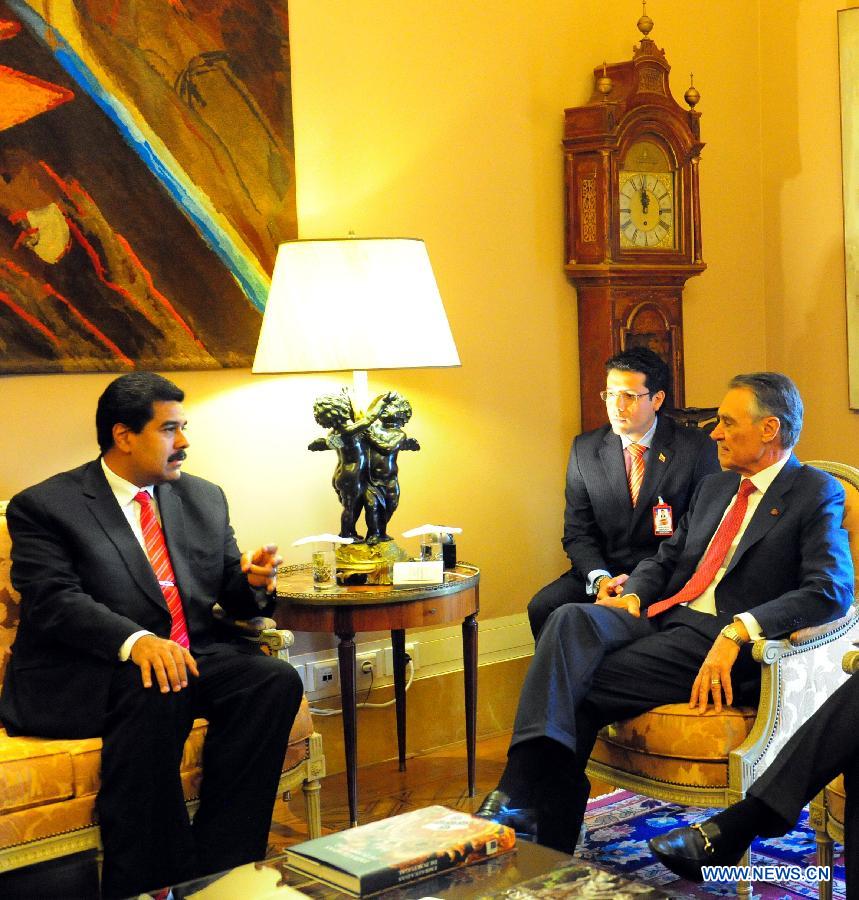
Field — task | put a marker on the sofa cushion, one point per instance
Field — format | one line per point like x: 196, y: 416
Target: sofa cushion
x: 674, y: 744
x: 38, y: 771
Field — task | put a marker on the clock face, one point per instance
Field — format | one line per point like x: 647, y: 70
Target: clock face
x: 646, y: 210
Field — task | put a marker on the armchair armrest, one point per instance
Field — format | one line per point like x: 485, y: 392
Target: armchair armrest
x: 768, y: 651
x: 798, y: 673
x: 260, y: 630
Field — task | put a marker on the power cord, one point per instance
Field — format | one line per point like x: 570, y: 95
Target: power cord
x: 366, y: 705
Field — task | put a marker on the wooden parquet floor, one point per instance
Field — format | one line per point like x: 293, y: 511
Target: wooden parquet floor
x: 436, y: 777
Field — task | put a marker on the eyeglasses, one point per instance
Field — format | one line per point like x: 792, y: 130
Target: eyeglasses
x: 629, y: 398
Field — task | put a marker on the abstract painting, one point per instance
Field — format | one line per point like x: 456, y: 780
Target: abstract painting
x: 147, y: 176
x: 848, y: 51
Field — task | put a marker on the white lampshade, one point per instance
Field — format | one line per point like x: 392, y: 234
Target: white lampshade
x: 355, y: 303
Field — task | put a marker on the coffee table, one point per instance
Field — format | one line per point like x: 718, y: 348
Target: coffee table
x: 500, y: 877
x: 269, y: 879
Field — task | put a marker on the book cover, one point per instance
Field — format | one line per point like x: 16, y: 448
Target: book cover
x: 404, y: 848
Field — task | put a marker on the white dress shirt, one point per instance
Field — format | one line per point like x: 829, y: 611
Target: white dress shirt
x: 706, y: 602
x: 125, y: 492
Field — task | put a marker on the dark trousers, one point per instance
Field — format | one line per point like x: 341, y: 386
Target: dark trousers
x: 597, y: 664
x: 825, y: 746
x: 569, y: 588
x: 250, y: 701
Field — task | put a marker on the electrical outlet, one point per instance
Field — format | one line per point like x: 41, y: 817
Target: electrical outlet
x: 324, y: 678
x: 302, y: 674
x: 411, y: 650
x: 368, y: 669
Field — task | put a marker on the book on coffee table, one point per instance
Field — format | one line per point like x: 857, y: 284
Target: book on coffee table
x: 399, y: 850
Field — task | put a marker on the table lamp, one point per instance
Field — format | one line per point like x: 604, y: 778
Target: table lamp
x: 357, y: 304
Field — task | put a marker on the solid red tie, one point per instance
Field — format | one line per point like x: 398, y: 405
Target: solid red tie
x: 156, y: 549
x: 636, y: 470
x: 714, y: 557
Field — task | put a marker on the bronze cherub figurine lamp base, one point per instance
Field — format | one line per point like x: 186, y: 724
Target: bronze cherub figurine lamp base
x: 366, y: 478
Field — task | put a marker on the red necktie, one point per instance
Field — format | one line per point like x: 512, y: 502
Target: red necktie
x: 156, y: 549
x: 636, y: 470
x: 714, y: 557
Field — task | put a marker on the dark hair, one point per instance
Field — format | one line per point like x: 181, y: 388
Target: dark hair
x: 641, y: 359
x: 775, y: 395
x: 128, y: 400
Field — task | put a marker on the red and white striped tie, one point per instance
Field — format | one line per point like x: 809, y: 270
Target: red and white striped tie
x: 636, y: 470
x: 156, y: 549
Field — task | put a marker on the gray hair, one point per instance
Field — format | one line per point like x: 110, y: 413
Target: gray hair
x: 775, y: 395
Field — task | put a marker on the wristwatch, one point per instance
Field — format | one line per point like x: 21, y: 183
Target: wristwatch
x: 597, y: 581
x: 731, y: 633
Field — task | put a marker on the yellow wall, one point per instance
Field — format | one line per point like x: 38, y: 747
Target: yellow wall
x: 443, y: 120
x: 804, y: 260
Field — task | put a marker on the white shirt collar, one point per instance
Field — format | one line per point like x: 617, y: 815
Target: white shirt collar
x: 763, y: 479
x: 123, y: 490
x: 645, y: 441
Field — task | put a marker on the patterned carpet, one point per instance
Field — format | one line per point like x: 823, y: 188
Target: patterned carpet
x: 619, y: 824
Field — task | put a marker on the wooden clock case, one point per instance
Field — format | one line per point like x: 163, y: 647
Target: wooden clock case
x: 629, y: 296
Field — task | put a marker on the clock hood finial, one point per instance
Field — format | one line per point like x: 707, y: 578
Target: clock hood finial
x: 645, y: 23
x: 692, y: 95
x: 604, y: 83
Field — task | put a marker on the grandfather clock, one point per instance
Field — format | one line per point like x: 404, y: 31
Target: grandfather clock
x: 633, y: 231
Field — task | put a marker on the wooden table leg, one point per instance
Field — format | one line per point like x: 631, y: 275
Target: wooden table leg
x: 398, y: 651
x: 469, y: 659
x: 348, y: 702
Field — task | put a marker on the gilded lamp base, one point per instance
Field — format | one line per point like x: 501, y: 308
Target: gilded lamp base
x: 368, y: 563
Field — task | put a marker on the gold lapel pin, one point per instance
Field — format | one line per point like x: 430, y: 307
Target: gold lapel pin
x: 661, y: 457
x: 773, y: 512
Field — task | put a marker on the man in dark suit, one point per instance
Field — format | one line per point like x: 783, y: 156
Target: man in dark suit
x: 606, y: 531
x: 825, y: 746
x: 117, y: 640
x: 761, y: 552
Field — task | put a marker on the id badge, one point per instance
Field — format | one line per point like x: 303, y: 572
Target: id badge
x: 663, y: 519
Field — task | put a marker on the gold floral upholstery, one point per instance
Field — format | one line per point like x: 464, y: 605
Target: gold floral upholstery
x: 673, y: 744
x: 48, y: 787
x: 672, y: 754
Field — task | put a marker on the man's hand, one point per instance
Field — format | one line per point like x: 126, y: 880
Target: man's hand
x: 610, y: 587
x: 714, y: 676
x: 260, y: 567
x: 610, y: 594
x: 167, y: 660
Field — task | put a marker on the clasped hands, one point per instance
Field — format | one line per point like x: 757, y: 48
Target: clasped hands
x: 169, y: 663
x: 714, y: 676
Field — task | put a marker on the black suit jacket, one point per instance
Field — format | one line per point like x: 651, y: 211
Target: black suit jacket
x: 86, y: 584
x: 792, y: 567
x: 601, y: 528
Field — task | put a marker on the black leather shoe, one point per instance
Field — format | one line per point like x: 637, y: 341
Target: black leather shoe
x: 522, y: 819
x: 686, y: 850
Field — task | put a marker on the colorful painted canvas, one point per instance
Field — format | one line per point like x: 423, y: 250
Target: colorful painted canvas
x: 147, y: 176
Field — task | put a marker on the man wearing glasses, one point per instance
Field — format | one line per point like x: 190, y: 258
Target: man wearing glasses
x: 628, y: 482
x: 761, y: 552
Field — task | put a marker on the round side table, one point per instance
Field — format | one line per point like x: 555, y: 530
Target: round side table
x: 346, y: 610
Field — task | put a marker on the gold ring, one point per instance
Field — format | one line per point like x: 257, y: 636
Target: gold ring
x: 715, y: 681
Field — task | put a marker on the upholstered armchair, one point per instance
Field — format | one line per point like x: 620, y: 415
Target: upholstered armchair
x: 671, y: 753
x: 826, y: 811
x: 48, y: 787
